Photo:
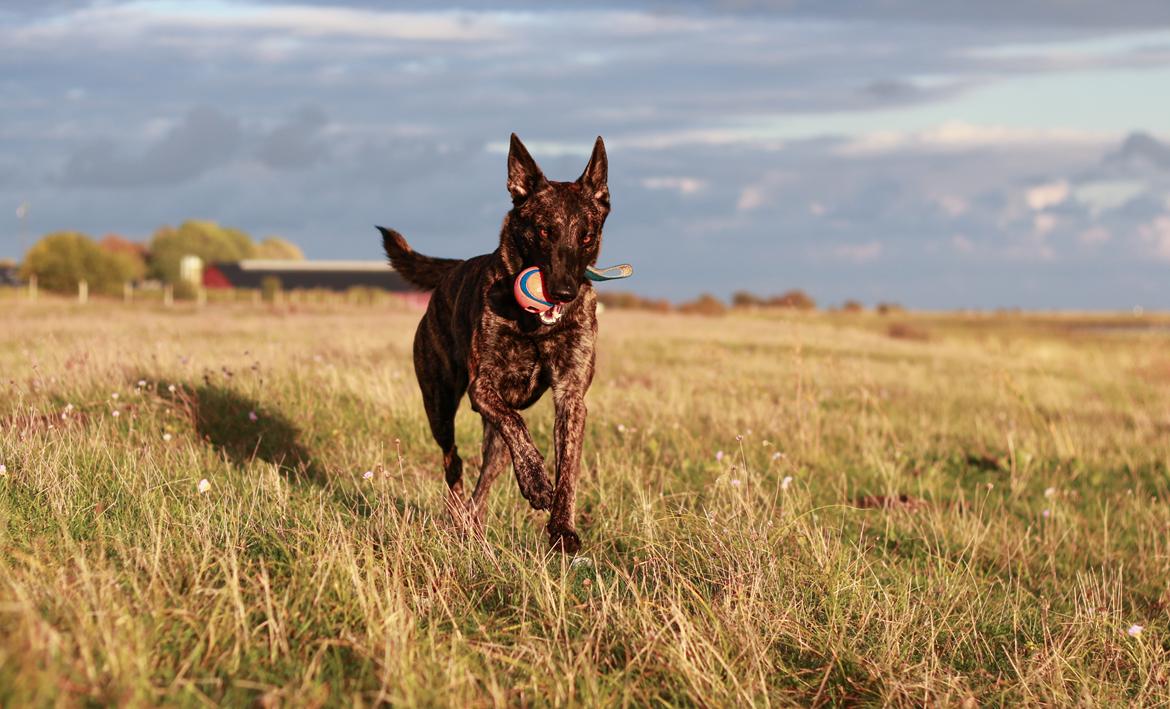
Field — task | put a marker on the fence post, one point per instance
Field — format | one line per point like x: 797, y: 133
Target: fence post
x: 127, y: 292
x: 201, y: 296
x: 32, y: 287
x: 83, y: 291
x: 168, y: 295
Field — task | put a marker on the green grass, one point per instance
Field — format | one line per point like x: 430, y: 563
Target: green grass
x: 1034, y: 457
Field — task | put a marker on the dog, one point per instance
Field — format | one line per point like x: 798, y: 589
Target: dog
x: 476, y: 339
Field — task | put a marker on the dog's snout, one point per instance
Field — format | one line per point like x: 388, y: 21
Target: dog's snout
x: 562, y: 293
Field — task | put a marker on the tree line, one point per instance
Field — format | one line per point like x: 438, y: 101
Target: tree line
x: 63, y: 259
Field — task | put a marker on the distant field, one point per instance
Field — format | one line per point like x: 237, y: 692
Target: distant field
x: 814, y: 509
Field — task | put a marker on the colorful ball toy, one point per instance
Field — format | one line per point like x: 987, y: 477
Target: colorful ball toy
x: 529, y: 291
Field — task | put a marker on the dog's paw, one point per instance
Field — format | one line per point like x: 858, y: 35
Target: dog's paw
x: 534, y: 484
x: 565, y: 541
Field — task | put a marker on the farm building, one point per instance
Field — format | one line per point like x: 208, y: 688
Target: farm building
x: 304, y: 275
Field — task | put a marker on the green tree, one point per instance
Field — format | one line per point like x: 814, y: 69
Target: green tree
x: 276, y: 248
x: 61, y: 259
x: 205, y: 239
x: 130, y: 252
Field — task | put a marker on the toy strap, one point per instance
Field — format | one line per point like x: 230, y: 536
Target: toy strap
x: 612, y: 273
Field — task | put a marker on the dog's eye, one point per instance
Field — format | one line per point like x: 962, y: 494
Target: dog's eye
x: 587, y: 239
x: 543, y: 233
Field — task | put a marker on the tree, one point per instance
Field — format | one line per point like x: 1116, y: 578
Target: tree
x: 62, y: 259
x: 705, y: 304
x: 797, y: 299
x: 132, y: 253
x: 277, y: 248
x: 205, y: 239
x: 746, y: 299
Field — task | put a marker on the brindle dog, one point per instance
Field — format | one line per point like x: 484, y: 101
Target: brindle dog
x: 475, y: 338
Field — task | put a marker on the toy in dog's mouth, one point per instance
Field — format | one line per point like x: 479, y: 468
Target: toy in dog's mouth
x: 529, y: 290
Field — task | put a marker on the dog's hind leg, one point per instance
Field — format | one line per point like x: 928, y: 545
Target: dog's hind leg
x: 495, y: 459
x: 441, y: 401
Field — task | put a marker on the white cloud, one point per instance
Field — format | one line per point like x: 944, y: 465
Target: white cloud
x: 1043, y: 224
x: 817, y: 209
x: 959, y: 135
x: 1095, y: 235
x: 1047, y: 195
x: 858, y: 253
x: 752, y: 197
x: 1106, y: 195
x: 962, y: 244
x: 129, y: 21
x: 952, y: 205
x: 682, y: 185
x: 1156, y: 235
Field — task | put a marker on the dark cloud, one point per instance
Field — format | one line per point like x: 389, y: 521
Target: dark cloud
x: 705, y: 196
x: 1141, y: 149
x: 296, y: 144
x: 204, y: 139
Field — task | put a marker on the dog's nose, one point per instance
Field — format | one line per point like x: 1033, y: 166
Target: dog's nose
x: 562, y: 294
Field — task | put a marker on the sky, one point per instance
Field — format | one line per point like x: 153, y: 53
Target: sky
x: 940, y: 154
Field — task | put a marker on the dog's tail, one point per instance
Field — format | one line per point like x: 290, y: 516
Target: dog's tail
x: 425, y: 272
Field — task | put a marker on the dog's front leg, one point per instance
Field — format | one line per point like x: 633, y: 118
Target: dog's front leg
x: 569, y: 433
x: 526, y: 460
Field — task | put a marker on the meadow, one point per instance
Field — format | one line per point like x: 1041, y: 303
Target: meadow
x: 816, y: 509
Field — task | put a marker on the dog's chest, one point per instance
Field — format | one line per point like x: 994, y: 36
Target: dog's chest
x: 522, y: 380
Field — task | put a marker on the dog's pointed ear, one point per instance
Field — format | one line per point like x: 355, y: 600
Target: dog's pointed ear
x: 596, y: 175
x: 524, y: 176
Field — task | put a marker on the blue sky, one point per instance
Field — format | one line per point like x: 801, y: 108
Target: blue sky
x: 939, y: 154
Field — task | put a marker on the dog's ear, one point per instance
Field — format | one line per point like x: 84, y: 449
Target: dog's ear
x: 524, y: 177
x: 596, y: 175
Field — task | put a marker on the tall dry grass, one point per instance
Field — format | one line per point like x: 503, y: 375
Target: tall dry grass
x: 775, y: 512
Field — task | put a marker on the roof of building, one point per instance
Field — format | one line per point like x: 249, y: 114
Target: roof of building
x: 331, y: 275
x: 267, y: 264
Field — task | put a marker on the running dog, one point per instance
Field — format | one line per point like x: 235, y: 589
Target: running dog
x: 476, y: 339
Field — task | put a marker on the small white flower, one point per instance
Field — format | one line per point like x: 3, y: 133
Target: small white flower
x: 166, y: 437
x: 1135, y: 630
x: 114, y: 395
x: 718, y: 456
x: 786, y: 482
x: 252, y: 416
x: 1046, y: 514
x: 116, y: 413
x: 203, y: 486
x: 3, y: 470
x: 579, y: 562
x: 767, y: 443
x: 68, y: 408
x: 621, y: 428
x: 1049, y: 492
x: 735, y: 482
x: 141, y: 383
x: 171, y: 388
x: 777, y: 455
x: 738, y: 437
x: 368, y: 474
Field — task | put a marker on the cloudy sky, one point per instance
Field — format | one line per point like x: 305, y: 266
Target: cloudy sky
x: 940, y: 153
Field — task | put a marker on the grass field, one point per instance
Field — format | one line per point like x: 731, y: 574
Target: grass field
x: 775, y: 511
